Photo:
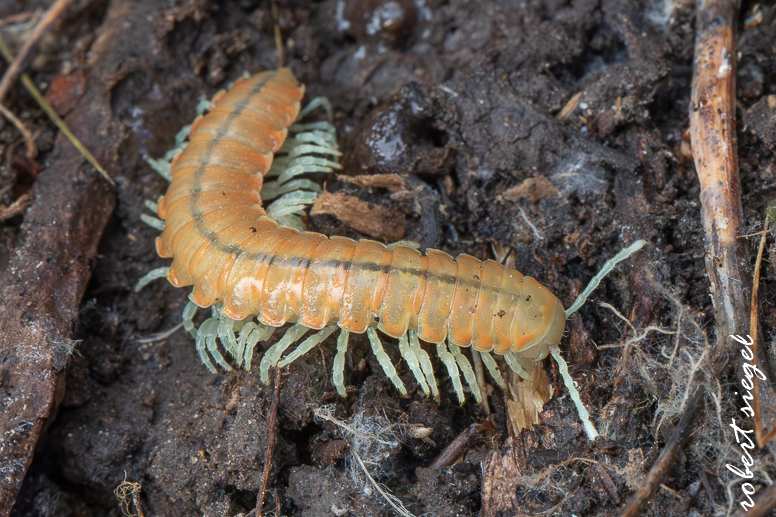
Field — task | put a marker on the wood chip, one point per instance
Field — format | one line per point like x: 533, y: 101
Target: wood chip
x: 533, y: 189
x: 378, y: 221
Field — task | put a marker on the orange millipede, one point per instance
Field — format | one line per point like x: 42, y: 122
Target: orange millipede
x: 245, y: 265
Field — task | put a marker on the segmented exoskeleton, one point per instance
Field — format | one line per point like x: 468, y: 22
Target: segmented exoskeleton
x: 246, y: 265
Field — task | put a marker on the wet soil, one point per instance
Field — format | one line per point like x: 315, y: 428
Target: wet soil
x: 556, y: 130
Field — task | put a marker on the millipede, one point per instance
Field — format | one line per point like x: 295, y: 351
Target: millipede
x: 258, y: 269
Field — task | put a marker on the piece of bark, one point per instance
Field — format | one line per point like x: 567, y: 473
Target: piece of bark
x: 375, y: 220
x: 56, y: 250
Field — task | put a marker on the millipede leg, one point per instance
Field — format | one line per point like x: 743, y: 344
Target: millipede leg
x: 149, y: 277
x: 210, y: 338
x: 468, y: 373
x: 452, y: 368
x: 242, y: 339
x: 272, y: 356
x: 385, y: 361
x: 590, y: 429
x: 226, y: 335
x: 307, y: 345
x: 493, y: 369
x: 515, y: 366
x: 188, y: 318
x: 412, y: 360
x: 317, y: 102
x: 259, y: 333
x: 200, y: 344
x: 153, y: 222
x: 338, y: 368
x: 425, y: 362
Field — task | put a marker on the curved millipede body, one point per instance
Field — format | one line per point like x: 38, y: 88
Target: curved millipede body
x: 245, y: 264
x: 223, y: 244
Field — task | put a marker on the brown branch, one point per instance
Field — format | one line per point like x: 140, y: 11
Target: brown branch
x: 760, y: 435
x: 763, y: 504
x: 273, y: 413
x: 32, y: 149
x: 17, y: 207
x: 17, y: 18
x: 659, y: 471
x: 43, y: 25
x: 713, y: 137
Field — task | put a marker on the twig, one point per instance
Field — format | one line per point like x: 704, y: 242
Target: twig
x: 16, y: 207
x: 16, y: 64
x: 763, y: 504
x: 32, y: 149
x: 461, y: 443
x: 17, y: 18
x: 153, y: 338
x: 713, y: 137
x: 665, y: 461
x: 54, y: 116
x: 753, y: 333
x: 273, y: 413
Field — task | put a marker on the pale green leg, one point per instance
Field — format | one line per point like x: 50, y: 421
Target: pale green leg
x: 153, y: 222
x: 307, y: 345
x: 468, y: 372
x: 200, y: 344
x: 318, y: 102
x: 452, y: 368
x: 272, y: 356
x: 212, y: 347
x: 149, y: 277
x: 493, y: 369
x: 245, y: 333
x: 226, y: 335
x: 385, y: 361
x: 188, y: 318
x: 262, y: 333
x: 154, y: 207
x: 590, y: 429
x: 412, y: 360
x: 515, y: 366
x: 338, y: 369
x: 425, y: 362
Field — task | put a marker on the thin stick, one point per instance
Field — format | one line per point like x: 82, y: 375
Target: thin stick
x: 18, y: 206
x: 54, y: 116
x: 753, y: 333
x: 713, y: 137
x: 16, y: 65
x: 17, y: 18
x: 667, y: 458
x: 32, y: 149
x: 273, y: 413
x: 763, y: 504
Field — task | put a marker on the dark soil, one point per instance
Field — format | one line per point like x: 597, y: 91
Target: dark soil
x: 463, y: 99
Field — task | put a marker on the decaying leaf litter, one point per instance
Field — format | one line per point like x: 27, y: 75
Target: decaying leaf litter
x: 464, y: 101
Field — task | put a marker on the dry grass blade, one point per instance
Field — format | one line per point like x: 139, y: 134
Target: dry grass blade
x: 15, y: 66
x: 55, y: 118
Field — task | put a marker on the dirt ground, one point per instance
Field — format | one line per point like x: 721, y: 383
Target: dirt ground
x: 554, y: 129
